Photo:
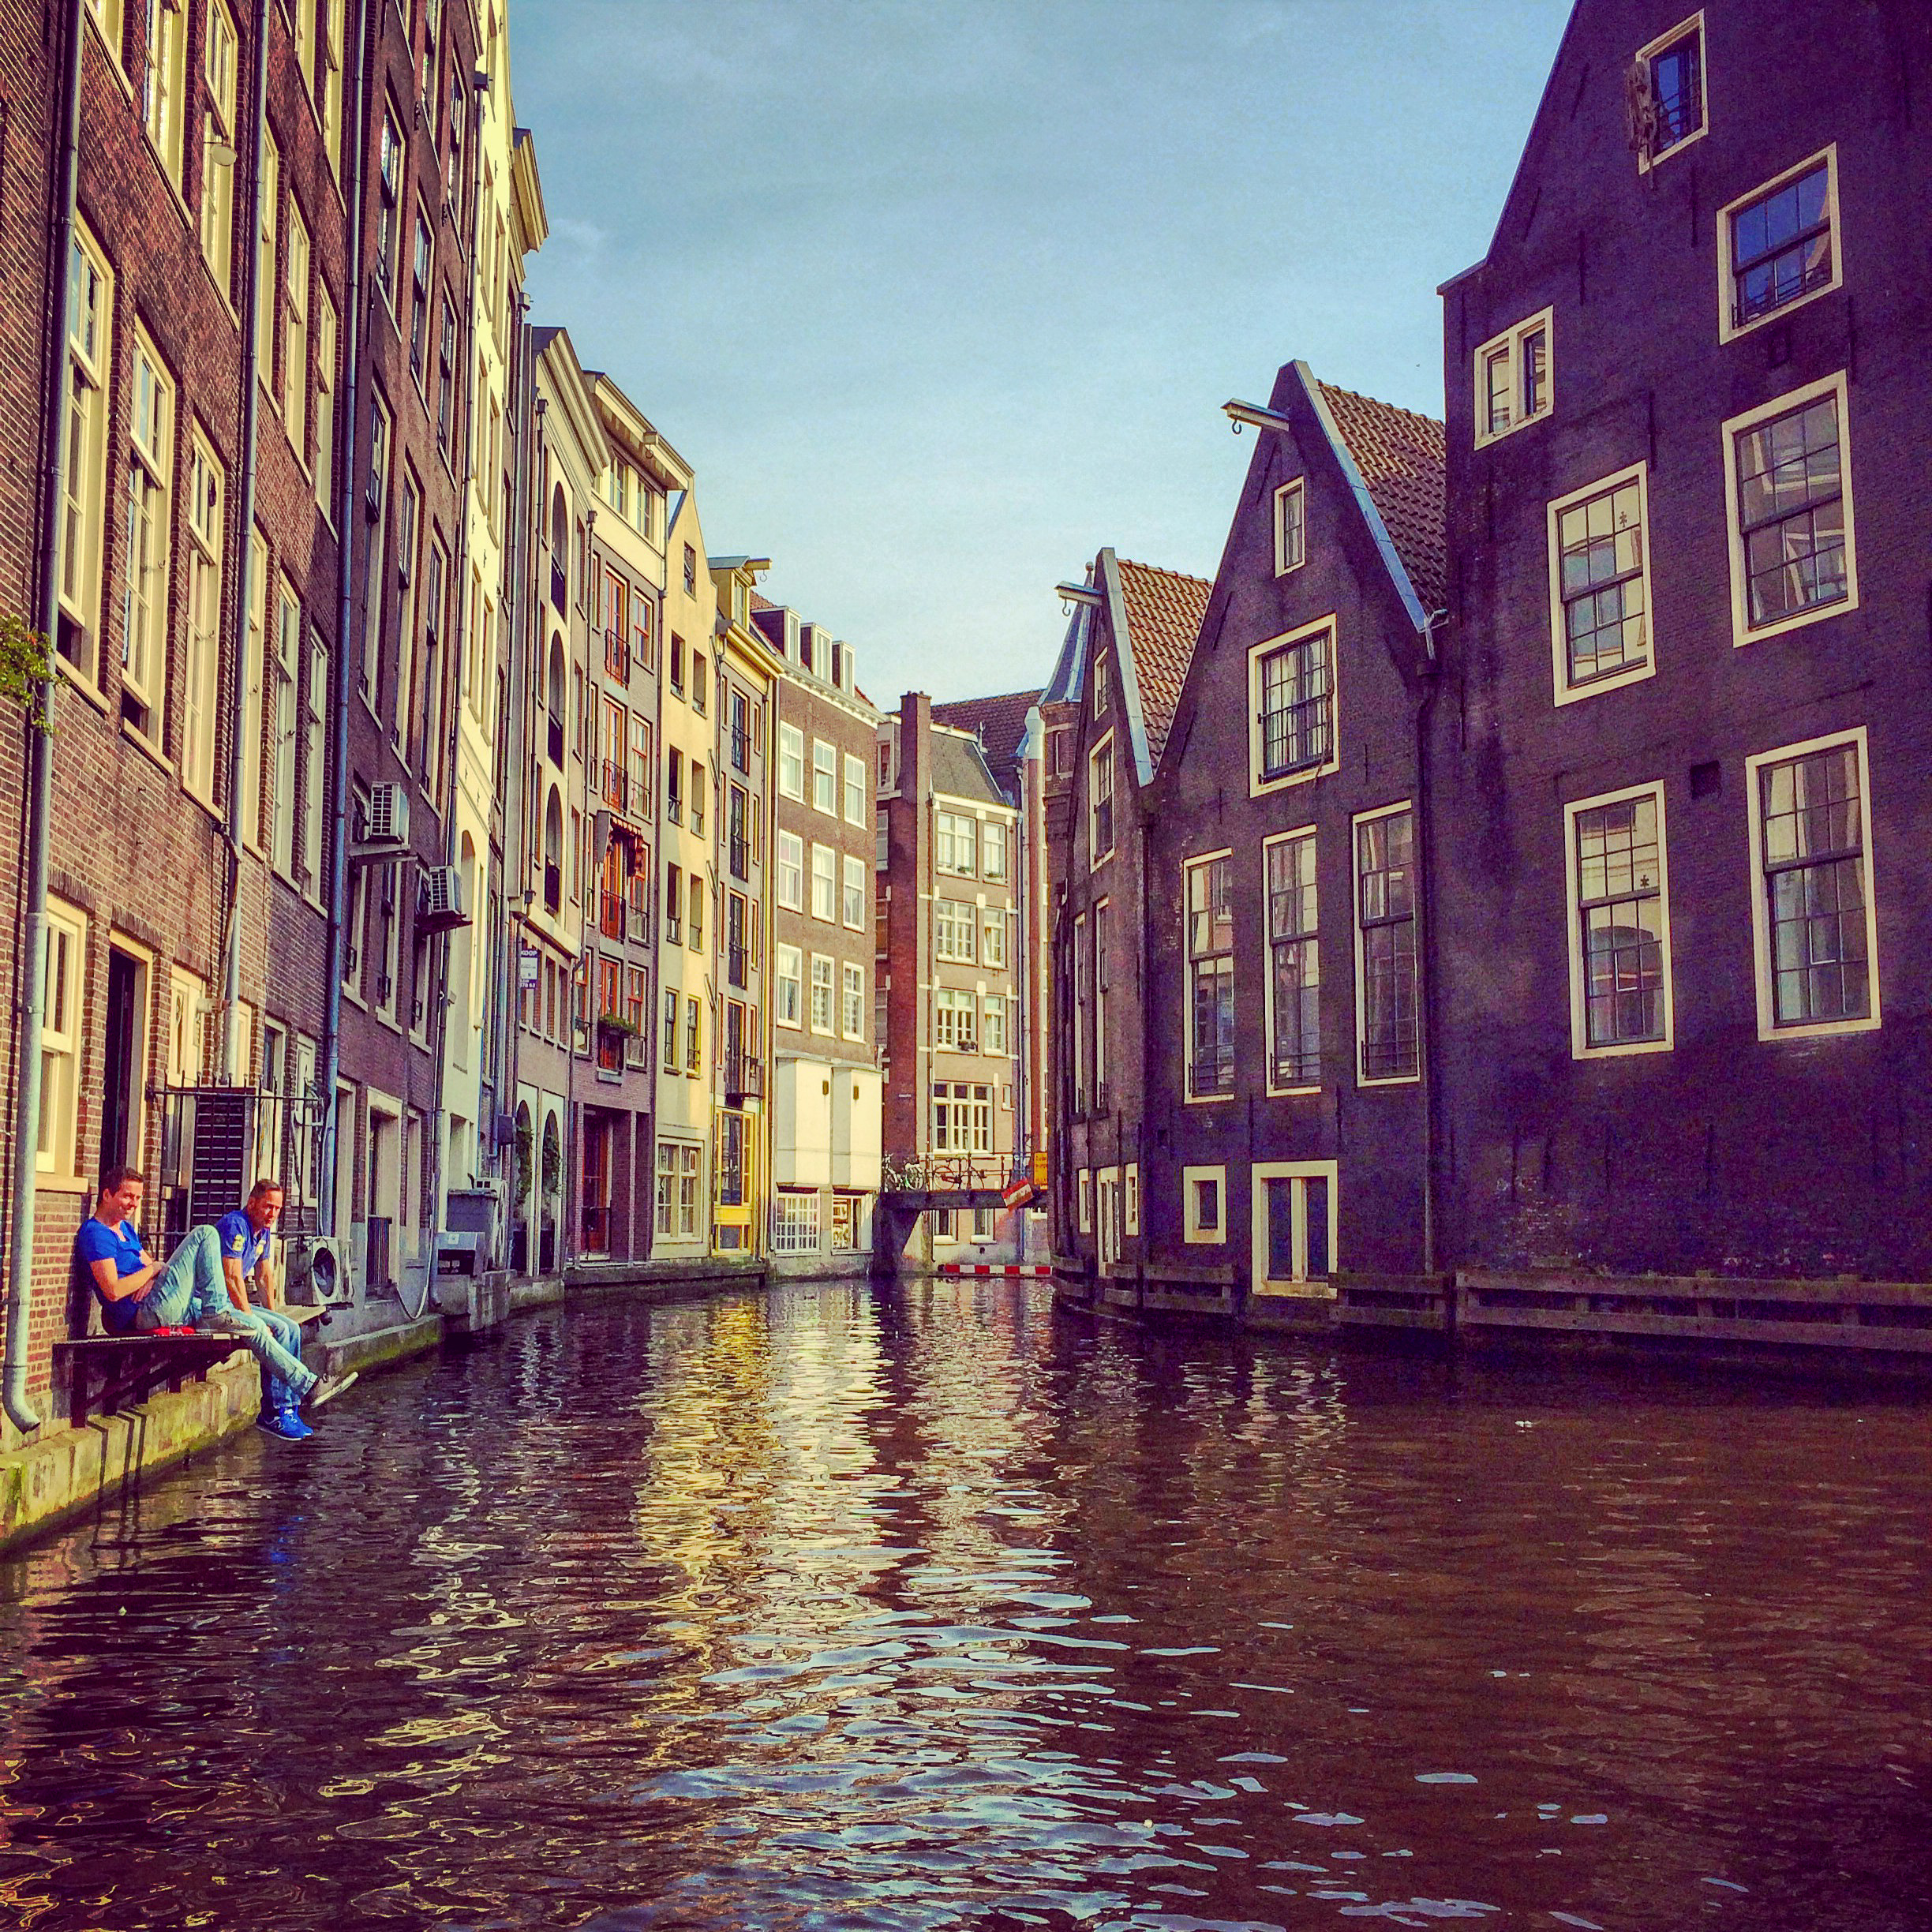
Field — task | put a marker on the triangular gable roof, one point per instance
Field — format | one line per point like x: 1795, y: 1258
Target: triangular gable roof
x: 1164, y: 612
x: 1398, y: 459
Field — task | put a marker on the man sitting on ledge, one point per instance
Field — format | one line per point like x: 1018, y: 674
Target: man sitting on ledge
x: 138, y: 1293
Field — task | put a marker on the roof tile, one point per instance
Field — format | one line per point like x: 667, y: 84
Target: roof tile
x: 1000, y: 722
x: 1164, y: 612
x: 1400, y: 455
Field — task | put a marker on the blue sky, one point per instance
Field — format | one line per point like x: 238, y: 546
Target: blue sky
x: 939, y: 299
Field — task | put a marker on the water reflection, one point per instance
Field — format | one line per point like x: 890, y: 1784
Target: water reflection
x: 821, y: 1610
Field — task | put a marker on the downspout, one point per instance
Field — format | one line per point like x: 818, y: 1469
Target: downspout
x: 1425, y: 840
x: 347, y: 494
x: 20, y: 1411
x: 244, y: 518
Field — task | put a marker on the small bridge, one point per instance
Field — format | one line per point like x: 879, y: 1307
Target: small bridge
x: 940, y: 1182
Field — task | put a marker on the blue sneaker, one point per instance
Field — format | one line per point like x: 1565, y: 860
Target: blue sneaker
x: 289, y: 1428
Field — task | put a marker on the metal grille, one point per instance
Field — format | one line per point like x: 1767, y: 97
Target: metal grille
x: 1295, y: 715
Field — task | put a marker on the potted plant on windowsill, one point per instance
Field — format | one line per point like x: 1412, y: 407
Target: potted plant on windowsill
x: 615, y: 1026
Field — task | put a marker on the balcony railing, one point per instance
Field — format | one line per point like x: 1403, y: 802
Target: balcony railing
x: 744, y: 1075
x: 617, y: 656
x: 611, y: 915
x: 735, y: 961
x: 617, y: 784
x: 740, y: 858
x: 740, y: 748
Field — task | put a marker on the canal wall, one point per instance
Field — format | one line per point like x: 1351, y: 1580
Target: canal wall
x: 1837, y: 1326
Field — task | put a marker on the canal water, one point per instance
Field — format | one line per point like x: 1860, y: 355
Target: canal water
x: 936, y: 1609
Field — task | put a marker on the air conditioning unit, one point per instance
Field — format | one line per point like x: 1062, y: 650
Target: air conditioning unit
x: 440, y: 904
x: 386, y: 827
x: 318, y: 1271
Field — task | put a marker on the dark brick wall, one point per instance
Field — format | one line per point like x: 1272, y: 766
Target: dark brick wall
x: 1728, y: 1152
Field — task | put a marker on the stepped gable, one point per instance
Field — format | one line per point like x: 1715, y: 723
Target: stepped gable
x: 1164, y: 612
x: 1400, y: 455
x: 999, y: 722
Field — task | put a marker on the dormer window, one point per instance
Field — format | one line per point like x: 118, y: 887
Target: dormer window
x: 1514, y: 379
x: 1667, y: 92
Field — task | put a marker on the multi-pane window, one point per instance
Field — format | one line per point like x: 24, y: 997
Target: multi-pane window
x: 218, y: 148
x: 956, y: 844
x: 83, y: 478
x: 993, y: 936
x: 325, y: 403
x: 956, y: 1020
x: 266, y: 284
x: 637, y: 781
x: 1103, y: 694
x: 1294, y: 707
x: 422, y: 256
x: 1100, y: 802
x: 694, y: 1036
x: 1290, y: 529
x: 151, y: 466
x: 446, y: 377
x: 377, y: 508
x: 281, y: 723
x: 164, y: 83
x: 674, y: 906
x: 1602, y: 581
x: 993, y: 1023
x: 821, y: 992
x: 315, y: 749
x: 1513, y: 379
x: 670, y: 1029
x: 1295, y: 1221
x: 792, y: 760
x: 690, y: 1161
x: 254, y: 688
x: 825, y: 778
x: 792, y: 871
x: 1792, y: 538
x: 851, y: 1014
x: 333, y: 18
x: 787, y: 995
x: 1210, y: 976
x: 1294, y: 963
x: 674, y: 786
x: 1671, y: 108
x: 696, y: 898
x: 1386, y: 941
x: 206, y: 487
x: 854, y: 769
x: 855, y: 885
x: 388, y: 214
x: 1779, y: 244
x: 1617, y: 852
x: 825, y: 883
x: 992, y: 848
x: 1082, y: 982
x: 795, y: 1223
x: 699, y: 792
x: 952, y: 930
x: 1103, y: 986
x: 57, y: 1149
x: 1816, y: 886
x: 962, y: 1118
x: 295, y: 341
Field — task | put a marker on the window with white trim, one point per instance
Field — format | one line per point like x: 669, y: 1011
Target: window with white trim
x: 150, y: 528
x: 1291, y: 701
x: 856, y: 890
x: 1103, y: 687
x: 1778, y: 245
x: 955, y: 1017
x: 57, y: 1150
x: 1100, y: 802
x: 1083, y: 1190
x: 691, y: 1172
x: 1290, y: 527
x: 1619, y: 922
x: 825, y: 883
x: 852, y: 1001
x: 218, y: 147
x: 792, y: 871
x: 1599, y: 584
x: 164, y: 84
x: 1792, y: 555
x: 821, y: 992
x: 993, y: 1025
x: 315, y: 710
x: 667, y: 1181
x: 1815, y: 921
x: 1666, y: 104
x: 825, y: 778
x: 1130, y: 1180
x: 206, y: 522
x: 855, y: 790
x: 791, y: 760
x: 1387, y: 1015
x: 325, y: 402
x: 993, y: 936
x: 1210, y: 976
x: 254, y: 689
x: 787, y: 993
x: 389, y: 172
x: 266, y: 284
x: 795, y: 1222
x: 1294, y: 1217
x: 281, y: 748
x: 953, y: 922
x: 1204, y: 1205
x: 83, y: 479
x: 962, y: 1117
x: 1103, y: 984
x: 1082, y: 1018
x: 956, y: 844
x: 295, y: 372
x: 1294, y: 963
x: 1515, y: 380
x: 993, y: 849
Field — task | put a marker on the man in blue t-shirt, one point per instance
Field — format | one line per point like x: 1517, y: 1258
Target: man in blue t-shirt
x: 137, y: 1293
x: 247, y: 1234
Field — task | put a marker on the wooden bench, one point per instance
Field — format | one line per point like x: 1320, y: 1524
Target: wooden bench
x: 104, y: 1373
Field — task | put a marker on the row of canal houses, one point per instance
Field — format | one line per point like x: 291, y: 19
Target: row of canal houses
x: 405, y: 793
x: 1515, y: 859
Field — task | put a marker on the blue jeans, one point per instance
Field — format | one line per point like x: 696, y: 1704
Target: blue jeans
x: 193, y: 1287
x: 277, y: 1395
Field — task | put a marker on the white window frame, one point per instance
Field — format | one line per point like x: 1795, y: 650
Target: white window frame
x: 1361, y: 985
x: 1510, y: 343
x: 1566, y: 691
x: 822, y: 983
x: 1130, y: 1180
x: 207, y: 524
x: 1083, y: 1188
x: 856, y: 888
x: 1294, y: 835
x: 57, y: 1153
x: 790, y: 867
x: 1729, y: 328
x: 1743, y: 632
x: 1300, y: 1283
x: 793, y: 1222
x: 954, y: 912
x: 825, y: 872
x: 82, y: 512
x: 792, y: 762
x: 220, y: 53
x: 1258, y: 787
x: 151, y: 469
x: 825, y: 778
x: 1647, y: 160
x: 1192, y: 1232
x: 956, y: 1020
x: 1767, y: 1028
x: 1294, y: 491
x: 1104, y: 750
x: 993, y: 937
x: 1580, y: 1048
x: 994, y: 839
x: 993, y: 1021
x: 949, y: 829
x: 851, y: 1001
x: 788, y: 974
x: 1189, y: 867
x: 855, y: 774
